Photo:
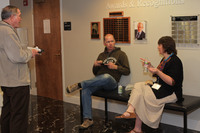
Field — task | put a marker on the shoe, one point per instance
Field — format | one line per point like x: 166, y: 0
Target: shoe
x: 87, y: 123
x: 133, y: 131
x: 131, y: 116
x: 72, y: 88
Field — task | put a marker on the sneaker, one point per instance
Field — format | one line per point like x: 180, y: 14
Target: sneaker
x: 87, y: 123
x: 72, y: 88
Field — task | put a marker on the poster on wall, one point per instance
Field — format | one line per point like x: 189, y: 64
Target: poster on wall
x: 95, y: 30
x: 140, y: 31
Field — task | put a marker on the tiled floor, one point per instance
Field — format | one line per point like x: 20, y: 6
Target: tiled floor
x: 52, y: 116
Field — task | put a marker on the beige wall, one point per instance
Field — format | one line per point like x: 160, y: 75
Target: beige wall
x: 79, y: 51
x: 3, y: 3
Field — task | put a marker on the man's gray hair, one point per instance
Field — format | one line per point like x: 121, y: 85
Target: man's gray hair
x: 8, y: 11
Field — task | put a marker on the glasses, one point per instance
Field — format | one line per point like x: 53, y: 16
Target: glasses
x: 112, y: 41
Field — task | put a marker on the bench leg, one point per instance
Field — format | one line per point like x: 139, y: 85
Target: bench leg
x: 106, y: 110
x: 185, y: 122
x: 81, y: 107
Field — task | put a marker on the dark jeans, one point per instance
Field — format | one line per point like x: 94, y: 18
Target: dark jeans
x: 103, y: 81
x: 14, y: 116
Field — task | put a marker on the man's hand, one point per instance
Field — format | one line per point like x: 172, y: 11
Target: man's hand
x: 34, y: 52
x: 98, y: 63
x: 111, y: 65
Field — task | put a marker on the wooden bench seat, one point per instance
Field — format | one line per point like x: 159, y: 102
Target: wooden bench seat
x: 189, y: 104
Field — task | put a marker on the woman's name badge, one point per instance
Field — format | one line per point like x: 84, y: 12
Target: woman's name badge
x: 156, y: 86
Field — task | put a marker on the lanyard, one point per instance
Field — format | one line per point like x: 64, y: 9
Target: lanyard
x: 163, y: 65
x: 168, y: 57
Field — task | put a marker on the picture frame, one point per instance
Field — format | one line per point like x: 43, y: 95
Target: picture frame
x: 95, y: 30
x: 119, y: 27
x: 140, y: 31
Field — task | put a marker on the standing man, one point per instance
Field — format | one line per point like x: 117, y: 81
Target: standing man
x: 108, y: 69
x: 139, y: 33
x: 14, y: 73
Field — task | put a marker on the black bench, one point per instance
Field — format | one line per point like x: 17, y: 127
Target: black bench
x: 189, y: 104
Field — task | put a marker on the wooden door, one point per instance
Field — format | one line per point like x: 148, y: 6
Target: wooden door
x: 48, y: 65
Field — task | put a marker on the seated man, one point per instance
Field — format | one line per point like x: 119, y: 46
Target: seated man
x: 108, y: 68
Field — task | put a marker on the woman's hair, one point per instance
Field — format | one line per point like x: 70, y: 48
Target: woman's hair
x: 8, y: 11
x: 168, y: 44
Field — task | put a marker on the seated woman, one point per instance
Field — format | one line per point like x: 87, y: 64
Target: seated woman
x: 147, y: 100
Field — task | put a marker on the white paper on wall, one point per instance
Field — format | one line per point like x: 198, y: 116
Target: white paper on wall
x: 46, y: 26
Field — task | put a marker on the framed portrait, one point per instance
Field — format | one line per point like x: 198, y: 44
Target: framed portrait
x: 140, y: 30
x: 95, y: 30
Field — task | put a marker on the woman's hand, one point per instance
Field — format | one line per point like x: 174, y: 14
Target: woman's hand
x: 144, y: 60
x: 152, y: 69
x: 166, y: 78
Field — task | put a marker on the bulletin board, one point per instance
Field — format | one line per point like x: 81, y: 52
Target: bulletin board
x: 119, y: 27
x: 185, y: 31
